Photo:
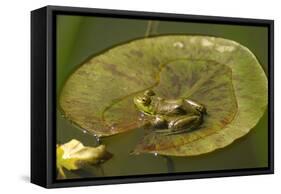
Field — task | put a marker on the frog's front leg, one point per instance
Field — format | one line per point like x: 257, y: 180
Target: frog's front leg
x: 159, y: 122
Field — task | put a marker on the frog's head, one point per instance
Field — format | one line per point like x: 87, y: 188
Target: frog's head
x: 143, y: 102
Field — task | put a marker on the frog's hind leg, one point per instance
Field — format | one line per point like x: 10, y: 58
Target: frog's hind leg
x: 185, y: 122
x: 181, y: 125
x: 199, y: 108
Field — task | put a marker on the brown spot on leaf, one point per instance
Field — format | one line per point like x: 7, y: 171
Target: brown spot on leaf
x: 115, y: 71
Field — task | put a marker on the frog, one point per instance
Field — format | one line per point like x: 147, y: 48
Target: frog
x: 169, y: 116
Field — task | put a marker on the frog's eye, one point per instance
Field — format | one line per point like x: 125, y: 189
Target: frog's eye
x: 149, y: 93
x: 146, y: 101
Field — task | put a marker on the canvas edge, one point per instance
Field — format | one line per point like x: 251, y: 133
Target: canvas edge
x: 47, y: 178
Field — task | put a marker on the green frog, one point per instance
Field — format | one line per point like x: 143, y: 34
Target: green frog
x: 170, y: 116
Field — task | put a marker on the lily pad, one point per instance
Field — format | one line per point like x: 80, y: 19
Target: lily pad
x: 73, y: 155
x: 219, y: 73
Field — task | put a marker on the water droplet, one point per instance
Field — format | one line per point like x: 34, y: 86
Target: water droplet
x: 178, y: 45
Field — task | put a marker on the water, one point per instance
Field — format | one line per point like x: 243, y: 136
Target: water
x: 81, y: 37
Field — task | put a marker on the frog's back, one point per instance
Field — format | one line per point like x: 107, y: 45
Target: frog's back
x: 169, y: 107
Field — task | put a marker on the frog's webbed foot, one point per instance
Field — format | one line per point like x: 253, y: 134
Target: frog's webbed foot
x: 200, y: 108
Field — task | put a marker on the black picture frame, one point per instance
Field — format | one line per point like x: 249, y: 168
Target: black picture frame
x: 43, y: 96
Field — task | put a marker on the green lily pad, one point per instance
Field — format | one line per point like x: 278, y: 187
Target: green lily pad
x: 219, y: 73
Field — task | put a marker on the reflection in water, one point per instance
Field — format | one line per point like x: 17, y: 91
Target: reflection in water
x: 170, y: 164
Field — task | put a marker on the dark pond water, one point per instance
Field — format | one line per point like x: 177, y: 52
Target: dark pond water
x: 81, y: 37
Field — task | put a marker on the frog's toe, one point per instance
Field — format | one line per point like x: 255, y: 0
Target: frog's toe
x: 202, y: 109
